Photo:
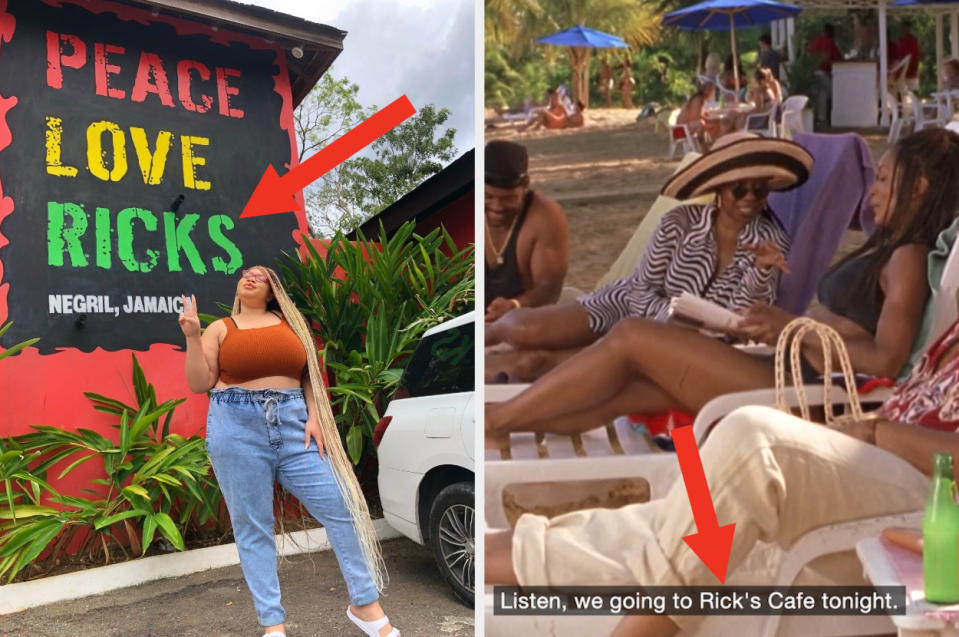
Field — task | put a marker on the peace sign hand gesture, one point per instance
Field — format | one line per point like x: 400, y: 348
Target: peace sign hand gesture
x: 189, y: 321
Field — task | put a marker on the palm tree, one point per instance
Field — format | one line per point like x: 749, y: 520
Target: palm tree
x: 516, y: 24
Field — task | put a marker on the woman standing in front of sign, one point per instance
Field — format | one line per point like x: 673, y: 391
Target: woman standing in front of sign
x: 269, y: 420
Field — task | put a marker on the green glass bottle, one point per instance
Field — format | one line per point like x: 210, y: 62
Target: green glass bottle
x: 940, y: 535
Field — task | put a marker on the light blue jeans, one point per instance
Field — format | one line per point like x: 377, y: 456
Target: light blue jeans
x: 255, y: 437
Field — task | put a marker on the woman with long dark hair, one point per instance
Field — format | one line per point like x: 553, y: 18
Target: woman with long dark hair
x: 270, y: 420
x: 874, y: 298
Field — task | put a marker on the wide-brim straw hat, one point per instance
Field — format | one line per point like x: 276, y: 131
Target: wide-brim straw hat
x: 740, y: 156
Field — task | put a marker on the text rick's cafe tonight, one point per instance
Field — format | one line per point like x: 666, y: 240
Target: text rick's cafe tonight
x: 114, y: 154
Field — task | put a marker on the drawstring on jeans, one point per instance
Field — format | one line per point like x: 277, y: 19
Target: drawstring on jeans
x: 270, y: 403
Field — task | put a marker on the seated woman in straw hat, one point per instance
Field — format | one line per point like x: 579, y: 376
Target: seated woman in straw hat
x: 774, y: 475
x: 874, y: 298
x: 730, y: 252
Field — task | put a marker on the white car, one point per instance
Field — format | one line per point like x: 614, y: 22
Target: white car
x: 426, y: 452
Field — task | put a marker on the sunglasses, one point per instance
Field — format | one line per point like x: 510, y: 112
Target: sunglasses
x: 259, y: 277
x: 759, y: 191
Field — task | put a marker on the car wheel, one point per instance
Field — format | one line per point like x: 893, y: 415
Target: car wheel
x: 453, y: 538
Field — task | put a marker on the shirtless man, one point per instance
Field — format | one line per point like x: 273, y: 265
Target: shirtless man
x: 527, y: 239
x: 552, y: 116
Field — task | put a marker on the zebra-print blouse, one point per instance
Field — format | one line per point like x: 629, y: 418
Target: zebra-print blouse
x: 681, y: 257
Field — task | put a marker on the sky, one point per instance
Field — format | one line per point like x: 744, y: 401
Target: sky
x: 421, y: 48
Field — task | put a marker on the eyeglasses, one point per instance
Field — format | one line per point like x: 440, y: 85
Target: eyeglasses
x: 759, y: 191
x: 259, y: 277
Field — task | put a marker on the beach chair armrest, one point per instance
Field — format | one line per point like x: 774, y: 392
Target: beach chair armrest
x: 721, y: 406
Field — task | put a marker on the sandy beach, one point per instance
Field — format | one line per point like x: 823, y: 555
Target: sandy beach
x: 606, y: 175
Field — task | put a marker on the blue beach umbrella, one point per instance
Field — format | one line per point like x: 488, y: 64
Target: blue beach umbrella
x: 586, y: 37
x: 578, y: 39
x: 719, y: 15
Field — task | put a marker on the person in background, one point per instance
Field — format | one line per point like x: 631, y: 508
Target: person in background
x: 605, y: 81
x: 576, y: 119
x: 908, y: 45
x: 950, y: 75
x: 713, y: 66
x: 693, y: 114
x: 768, y: 58
x: 626, y: 82
x: 552, y: 116
x: 728, y: 78
x: 763, y: 90
x: 824, y: 48
x: 527, y: 238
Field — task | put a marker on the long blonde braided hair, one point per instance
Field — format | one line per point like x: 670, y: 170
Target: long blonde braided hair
x: 342, y: 468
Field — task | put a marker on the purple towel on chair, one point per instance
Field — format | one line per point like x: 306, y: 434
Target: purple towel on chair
x: 817, y: 214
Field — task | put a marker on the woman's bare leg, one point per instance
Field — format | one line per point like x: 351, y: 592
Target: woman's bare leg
x: 685, y: 365
x: 525, y: 365
x: 650, y: 399
x: 558, y: 326
x: 645, y: 626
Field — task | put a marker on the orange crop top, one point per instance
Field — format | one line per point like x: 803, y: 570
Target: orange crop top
x: 248, y: 354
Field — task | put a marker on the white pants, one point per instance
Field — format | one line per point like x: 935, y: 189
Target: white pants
x: 775, y: 476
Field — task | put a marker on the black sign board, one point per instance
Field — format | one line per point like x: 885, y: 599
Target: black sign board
x: 134, y: 143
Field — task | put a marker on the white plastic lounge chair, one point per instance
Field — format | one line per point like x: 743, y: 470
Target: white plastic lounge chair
x: 660, y: 470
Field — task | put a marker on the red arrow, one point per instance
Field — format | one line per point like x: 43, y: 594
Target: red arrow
x: 713, y: 542
x: 274, y: 194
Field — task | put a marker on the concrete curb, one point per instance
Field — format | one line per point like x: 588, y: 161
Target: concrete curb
x: 23, y: 595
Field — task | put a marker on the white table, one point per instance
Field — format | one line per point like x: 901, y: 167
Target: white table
x: 855, y: 95
x: 881, y: 572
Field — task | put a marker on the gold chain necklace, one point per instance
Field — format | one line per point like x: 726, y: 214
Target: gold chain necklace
x: 498, y: 253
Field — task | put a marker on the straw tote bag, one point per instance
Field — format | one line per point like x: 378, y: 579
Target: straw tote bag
x: 790, y: 342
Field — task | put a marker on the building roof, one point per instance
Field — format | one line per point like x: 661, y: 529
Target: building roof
x: 318, y: 44
x: 843, y: 6
x: 432, y: 195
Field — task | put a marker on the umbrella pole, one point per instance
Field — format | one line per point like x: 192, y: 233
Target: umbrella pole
x: 732, y: 45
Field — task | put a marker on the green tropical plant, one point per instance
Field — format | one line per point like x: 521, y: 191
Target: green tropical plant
x: 155, y: 481
x: 368, y: 303
x: 515, y: 25
x: 801, y: 77
x: 15, y: 349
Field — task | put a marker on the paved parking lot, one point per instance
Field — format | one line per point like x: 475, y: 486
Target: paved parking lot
x: 216, y: 603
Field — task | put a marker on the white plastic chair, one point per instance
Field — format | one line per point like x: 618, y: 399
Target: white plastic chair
x: 680, y: 136
x: 923, y: 115
x: 790, y: 121
x: 896, y: 121
x: 763, y: 123
x: 897, y: 76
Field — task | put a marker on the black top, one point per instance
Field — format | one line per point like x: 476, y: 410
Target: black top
x: 843, y: 292
x: 505, y: 280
